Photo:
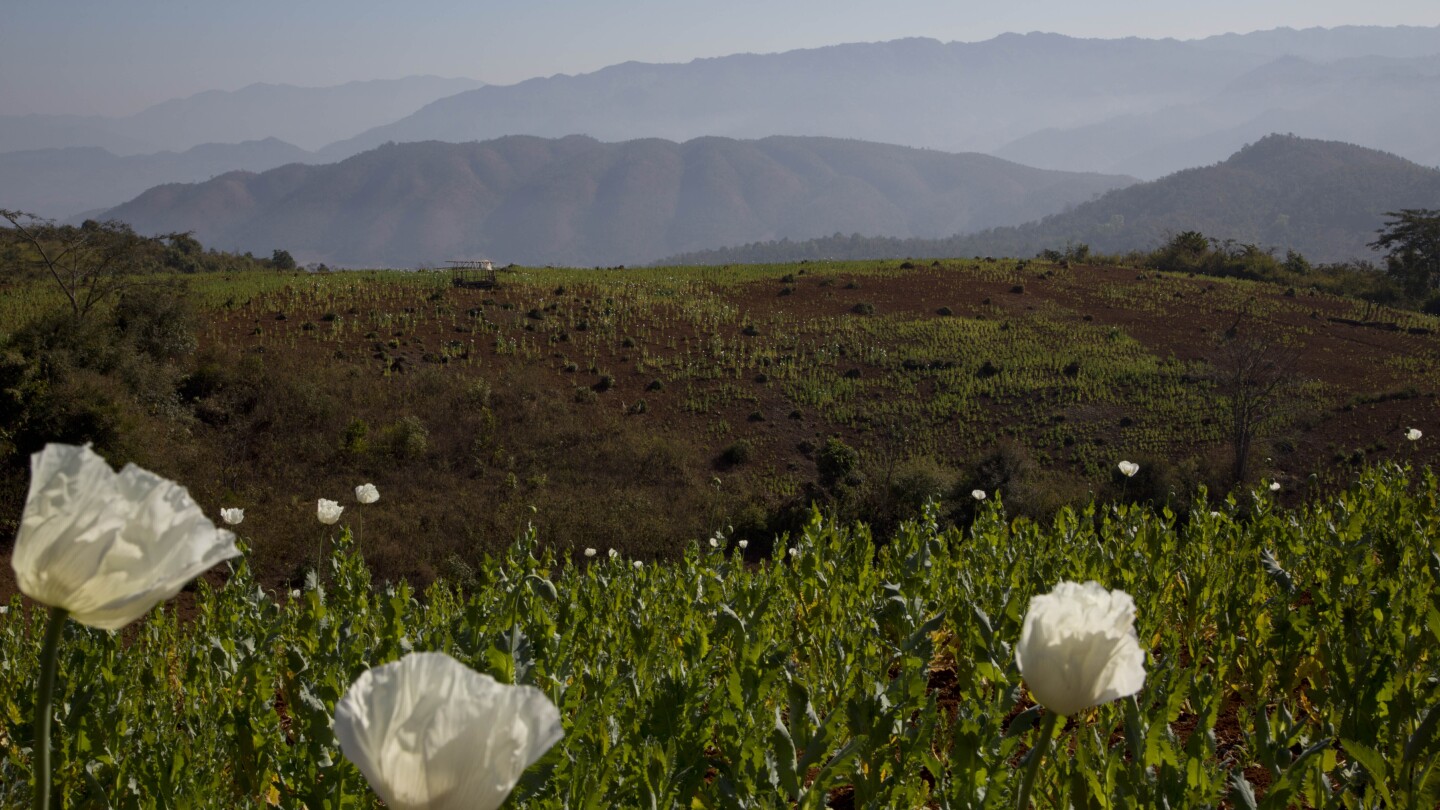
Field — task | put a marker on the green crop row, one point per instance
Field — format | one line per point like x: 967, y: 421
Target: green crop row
x: 1291, y: 658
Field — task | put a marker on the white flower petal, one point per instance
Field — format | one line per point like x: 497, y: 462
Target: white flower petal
x: 429, y: 732
x: 367, y: 493
x: 1078, y: 647
x: 108, y: 547
x: 328, y: 511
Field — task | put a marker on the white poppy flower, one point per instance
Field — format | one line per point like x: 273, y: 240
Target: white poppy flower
x: 367, y: 493
x: 639, y: 564
x: 589, y: 552
x: 232, y: 516
x: 614, y: 554
x: 1274, y: 486
x: 1413, y: 434
x: 1128, y: 468
x: 714, y: 542
x: 743, y: 544
x: 328, y: 511
x: 1078, y: 647
x: 977, y: 494
x: 429, y: 732
x: 107, y: 546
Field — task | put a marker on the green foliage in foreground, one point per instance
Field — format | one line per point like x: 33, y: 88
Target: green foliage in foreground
x: 1292, y: 657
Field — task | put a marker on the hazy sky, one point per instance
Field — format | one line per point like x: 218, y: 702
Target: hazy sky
x: 114, y: 57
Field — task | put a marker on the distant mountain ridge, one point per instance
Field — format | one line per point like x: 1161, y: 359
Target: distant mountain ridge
x: 1039, y: 99
x: 576, y: 200
x: 307, y: 116
x: 1324, y: 199
x: 1380, y: 102
x: 920, y: 92
x: 1137, y: 107
x: 61, y: 183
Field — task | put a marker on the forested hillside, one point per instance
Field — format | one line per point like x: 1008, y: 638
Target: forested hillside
x: 577, y: 201
x: 1322, y: 199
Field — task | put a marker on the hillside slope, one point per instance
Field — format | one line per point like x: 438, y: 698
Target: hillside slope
x: 576, y: 200
x: 1323, y: 199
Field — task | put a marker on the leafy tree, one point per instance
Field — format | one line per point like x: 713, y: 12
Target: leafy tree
x: 90, y: 263
x: 1411, y: 241
x: 282, y: 260
x: 1184, y: 251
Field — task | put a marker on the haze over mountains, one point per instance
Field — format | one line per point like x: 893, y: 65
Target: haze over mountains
x: 1124, y: 107
x: 78, y: 180
x: 576, y: 200
x: 1196, y: 101
x: 65, y: 165
x: 1380, y: 102
x: 1323, y: 199
x: 308, y: 117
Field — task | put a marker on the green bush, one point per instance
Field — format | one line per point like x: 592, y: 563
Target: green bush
x: 407, y: 438
x: 738, y: 453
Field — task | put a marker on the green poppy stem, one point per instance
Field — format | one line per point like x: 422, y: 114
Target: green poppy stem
x: 49, y: 660
x: 1027, y: 783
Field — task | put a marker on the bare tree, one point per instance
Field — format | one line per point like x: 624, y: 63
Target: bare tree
x: 1254, y: 374
x: 89, y: 263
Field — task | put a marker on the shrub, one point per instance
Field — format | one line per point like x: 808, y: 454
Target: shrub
x: 737, y: 453
x: 838, y: 463
x: 157, y: 320
x: 356, y: 440
x: 407, y: 438
x: 916, y: 481
x: 478, y: 394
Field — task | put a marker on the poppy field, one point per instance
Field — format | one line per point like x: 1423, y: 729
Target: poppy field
x: 1289, y: 659
x: 864, y: 534
x: 641, y: 408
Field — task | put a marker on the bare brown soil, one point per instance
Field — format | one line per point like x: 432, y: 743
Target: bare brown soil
x: 598, y: 473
